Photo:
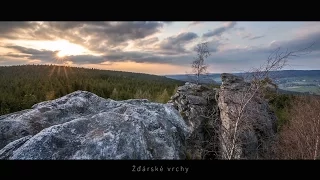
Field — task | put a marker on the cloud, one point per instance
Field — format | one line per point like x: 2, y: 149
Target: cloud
x: 146, y: 42
x: 145, y: 57
x: 9, y: 26
x: 302, y: 42
x: 122, y: 31
x: 218, y: 31
x: 178, y: 42
x: 140, y: 42
x: 256, y: 37
x: 47, y: 56
x: 246, y: 58
x: 11, y: 29
x: 68, y: 25
x: 251, y: 37
x: 33, y: 54
x: 194, y: 23
x: 84, y: 59
x: 11, y: 61
x: 213, y: 46
x: 96, y: 36
x: 168, y: 22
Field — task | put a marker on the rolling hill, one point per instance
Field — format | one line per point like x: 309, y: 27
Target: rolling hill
x: 22, y: 86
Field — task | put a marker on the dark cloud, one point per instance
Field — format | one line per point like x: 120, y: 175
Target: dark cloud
x: 122, y: 31
x: 213, y: 46
x: 10, y: 29
x: 134, y: 56
x: 9, y: 26
x: 15, y: 55
x: 25, y: 50
x: 108, y: 35
x: 218, y: 31
x: 256, y: 37
x: 146, y: 42
x: 86, y: 59
x: 112, y: 56
x: 33, y: 54
x: 96, y: 36
x: 50, y: 56
x: 143, y: 57
x: 177, y: 43
x: 66, y: 25
x: 5, y: 61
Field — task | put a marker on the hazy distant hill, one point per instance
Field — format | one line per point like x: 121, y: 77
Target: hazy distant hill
x: 209, y: 78
x: 304, y: 81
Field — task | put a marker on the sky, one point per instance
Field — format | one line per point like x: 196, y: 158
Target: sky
x: 156, y: 47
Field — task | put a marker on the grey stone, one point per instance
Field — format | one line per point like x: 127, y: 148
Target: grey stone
x: 8, y: 150
x: 82, y: 125
x: 255, y: 128
x: 175, y: 96
x: 196, y: 100
x: 193, y: 103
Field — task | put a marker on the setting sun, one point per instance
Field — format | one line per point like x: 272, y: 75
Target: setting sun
x: 64, y: 47
x: 60, y: 54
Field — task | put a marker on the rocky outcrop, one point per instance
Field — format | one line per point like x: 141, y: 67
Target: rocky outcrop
x: 198, y: 106
x: 199, y: 122
x: 82, y: 125
x: 248, y: 124
x: 216, y: 124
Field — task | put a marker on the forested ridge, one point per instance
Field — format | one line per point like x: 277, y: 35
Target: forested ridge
x: 25, y: 85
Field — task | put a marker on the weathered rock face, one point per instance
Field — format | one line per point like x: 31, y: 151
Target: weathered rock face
x: 213, y: 117
x: 197, y: 105
x: 82, y: 125
x: 248, y: 125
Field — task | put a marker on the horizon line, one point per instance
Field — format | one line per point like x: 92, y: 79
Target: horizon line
x: 148, y: 73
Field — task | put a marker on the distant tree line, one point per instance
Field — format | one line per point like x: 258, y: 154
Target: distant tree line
x: 25, y: 85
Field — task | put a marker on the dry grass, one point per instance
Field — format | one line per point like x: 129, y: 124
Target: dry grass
x: 299, y: 138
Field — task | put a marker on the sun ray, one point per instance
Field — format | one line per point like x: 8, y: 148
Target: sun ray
x: 59, y: 70
x: 70, y: 70
x: 52, y: 70
x: 65, y: 72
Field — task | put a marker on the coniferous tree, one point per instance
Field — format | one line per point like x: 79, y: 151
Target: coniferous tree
x: 50, y: 95
x: 139, y: 94
x: 163, y: 97
x: 114, y: 95
x: 25, y: 85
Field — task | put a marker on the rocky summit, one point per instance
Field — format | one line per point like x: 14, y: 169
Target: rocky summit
x: 230, y: 122
x: 246, y: 115
x: 199, y: 122
x: 82, y: 125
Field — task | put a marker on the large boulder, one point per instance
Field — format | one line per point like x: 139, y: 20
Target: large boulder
x: 82, y: 125
x: 248, y: 123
